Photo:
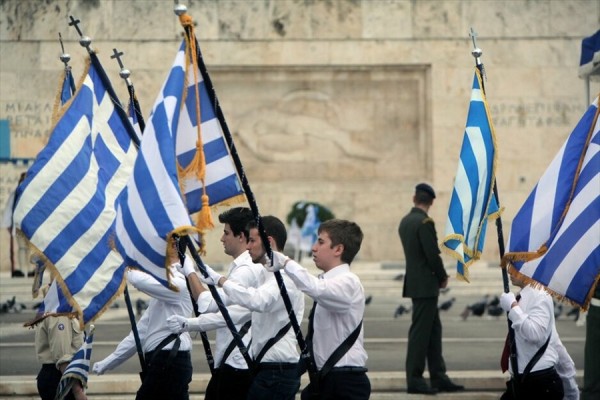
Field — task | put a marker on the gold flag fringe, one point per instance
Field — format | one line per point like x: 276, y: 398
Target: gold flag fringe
x: 57, y: 110
x: 78, y: 313
x: 473, y: 254
x: 559, y: 296
x: 526, y: 256
x: 172, y: 254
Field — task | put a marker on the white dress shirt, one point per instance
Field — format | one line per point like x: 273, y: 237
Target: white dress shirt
x: 340, y: 307
x: 533, y: 321
x: 565, y: 368
x: 151, y: 326
x: 269, y: 316
x: 248, y: 274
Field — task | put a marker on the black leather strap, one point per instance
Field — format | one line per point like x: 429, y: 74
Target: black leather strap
x: 244, y: 329
x: 340, y: 351
x: 271, y: 342
x: 161, y: 345
x: 535, y: 359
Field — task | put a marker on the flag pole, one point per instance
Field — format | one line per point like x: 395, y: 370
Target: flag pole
x: 124, y: 73
x: 476, y: 53
x: 187, y: 242
x: 210, y: 360
x: 65, y: 58
x: 250, y: 197
x: 85, y: 41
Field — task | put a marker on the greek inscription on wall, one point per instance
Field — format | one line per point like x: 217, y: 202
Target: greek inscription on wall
x: 30, y: 122
x: 535, y: 114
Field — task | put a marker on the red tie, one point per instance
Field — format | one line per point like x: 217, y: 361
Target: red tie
x: 506, y: 350
x: 504, y: 358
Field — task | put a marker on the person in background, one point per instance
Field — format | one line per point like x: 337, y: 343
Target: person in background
x: 23, y: 253
x: 335, y: 323
x: 230, y: 365
x: 167, y: 357
x: 57, y: 339
x: 540, y: 352
x: 425, y: 276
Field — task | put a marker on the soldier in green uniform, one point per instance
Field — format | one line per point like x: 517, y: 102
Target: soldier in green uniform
x: 425, y: 275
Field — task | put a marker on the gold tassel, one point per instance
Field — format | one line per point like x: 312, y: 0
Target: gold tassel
x: 205, y: 220
x: 198, y: 164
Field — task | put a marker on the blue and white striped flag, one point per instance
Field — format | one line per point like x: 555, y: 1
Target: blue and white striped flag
x: 221, y: 182
x: 66, y: 204
x: 473, y: 201
x: 64, y: 94
x: 135, y: 114
x: 78, y: 369
x: 151, y: 207
x: 555, y: 237
x: 68, y: 86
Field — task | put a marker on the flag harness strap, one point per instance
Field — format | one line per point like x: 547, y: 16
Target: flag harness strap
x: 172, y: 352
x: 270, y: 344
x: 335, y: 356
x: 317, y: 377
x: 534, y: 360
x: 232, y: 344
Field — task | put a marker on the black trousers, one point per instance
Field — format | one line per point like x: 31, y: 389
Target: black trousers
x: 544, y: 384
x: 340, y: 385
x: 591, y: 361
x: 425, y: 345
x: 47, y: 382
x: 228, y: 383
x: 166, y: 379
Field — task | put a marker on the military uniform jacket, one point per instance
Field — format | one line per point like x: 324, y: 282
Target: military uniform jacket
x: 424, y: 267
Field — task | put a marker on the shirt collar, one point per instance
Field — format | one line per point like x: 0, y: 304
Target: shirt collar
x: 339, y: 270
x: 243, y: 258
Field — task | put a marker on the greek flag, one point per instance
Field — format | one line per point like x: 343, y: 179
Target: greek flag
x: 135, y: 114
x: 554, y: 238
x: 78, y: 368
x: 64, y: 94
x: 68, y: 87
x: 194, y: 120
x: 65, y: 206
x: 151, y: 207
x: 473, y: 201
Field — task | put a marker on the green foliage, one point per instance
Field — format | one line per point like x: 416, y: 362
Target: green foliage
x: 298, y: 212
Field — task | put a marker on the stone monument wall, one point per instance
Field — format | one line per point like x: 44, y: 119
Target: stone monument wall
x: 347, y: 103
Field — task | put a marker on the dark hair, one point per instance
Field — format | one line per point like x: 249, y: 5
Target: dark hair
x: 237, y: 218
x: 346, y: 233
x: 273, y: 227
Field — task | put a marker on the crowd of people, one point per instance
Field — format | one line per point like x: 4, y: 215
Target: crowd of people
x: 262, y: 295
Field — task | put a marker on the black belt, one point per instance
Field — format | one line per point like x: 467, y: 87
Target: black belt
x: 277, y: 366
x: 349, y: 369
x: 166, y: 353
x: 230, y: 368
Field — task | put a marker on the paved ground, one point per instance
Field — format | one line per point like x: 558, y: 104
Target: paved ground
x: 471, y: 346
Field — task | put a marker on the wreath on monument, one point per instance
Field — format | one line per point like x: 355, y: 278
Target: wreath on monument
x: 299, y: 211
